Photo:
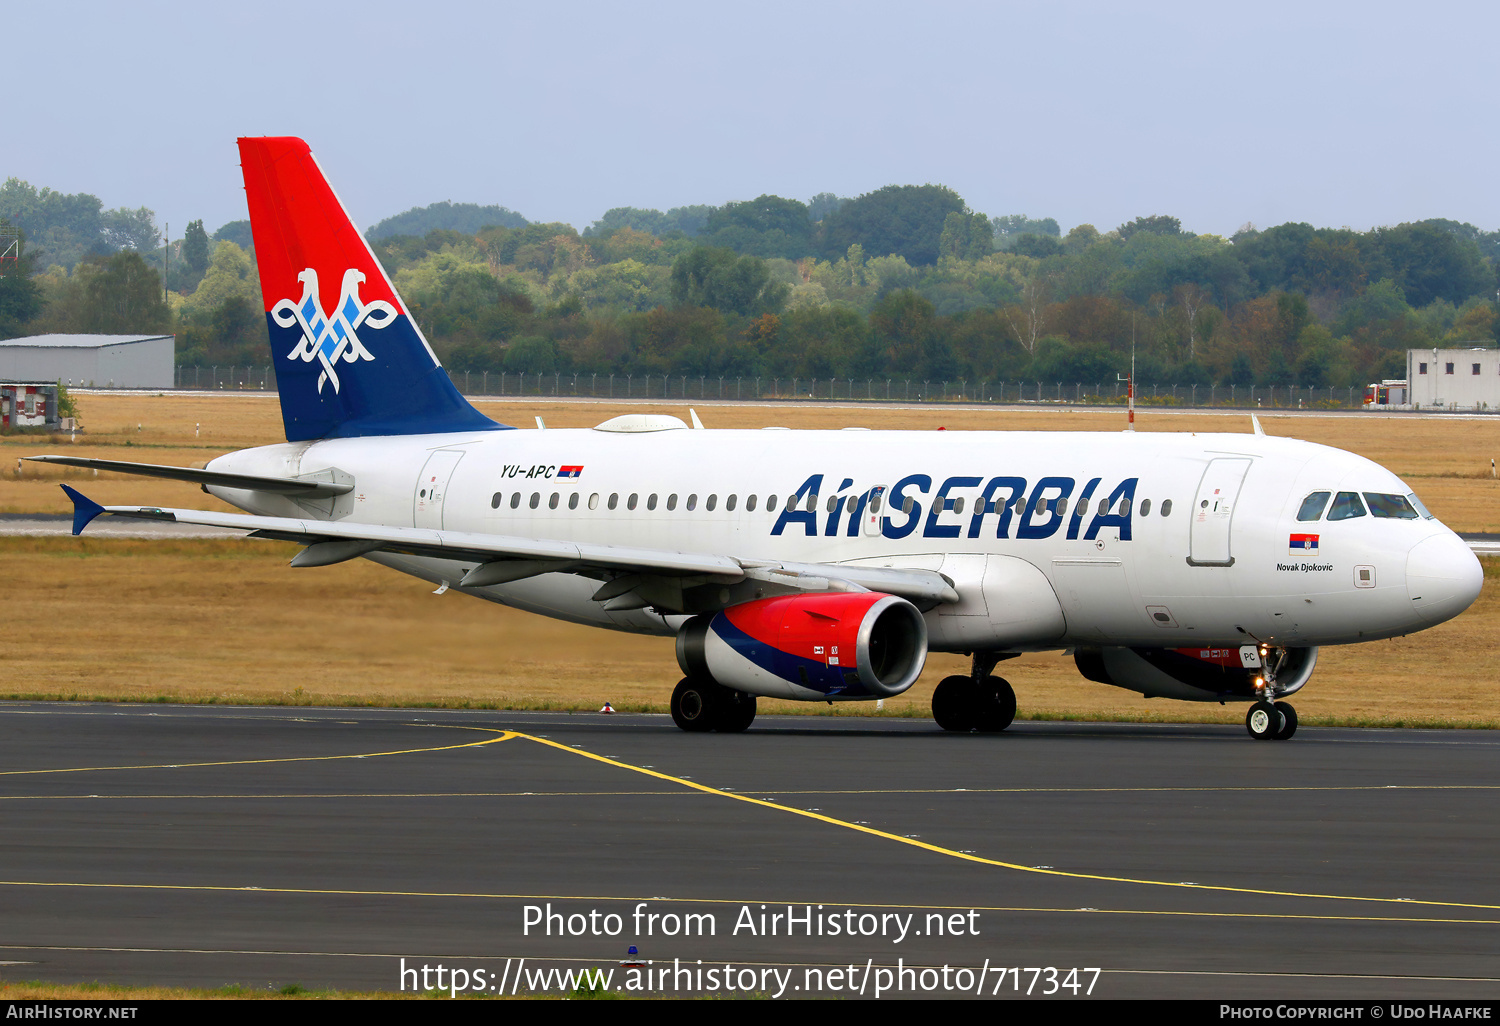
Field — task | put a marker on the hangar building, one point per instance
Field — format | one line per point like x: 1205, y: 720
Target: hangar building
x: 101, y: 361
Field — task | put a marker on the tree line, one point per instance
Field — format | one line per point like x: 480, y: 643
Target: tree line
x: 905, y: 281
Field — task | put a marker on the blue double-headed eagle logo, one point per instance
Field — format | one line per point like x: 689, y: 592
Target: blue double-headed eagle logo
x: 330, y: 338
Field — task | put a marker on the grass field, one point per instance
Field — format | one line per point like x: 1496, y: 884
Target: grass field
x: 227, y: 621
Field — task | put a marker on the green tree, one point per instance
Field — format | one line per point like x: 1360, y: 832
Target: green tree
x: 712, y: 277
x: 117, y: 295
x: 966, y: 237
x: 195, y: 248
x: 1158, y: 224
x: 906, y: 220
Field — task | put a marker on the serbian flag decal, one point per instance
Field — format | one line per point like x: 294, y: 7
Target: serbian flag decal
x: 569, y: 471
x: 1303, y: 545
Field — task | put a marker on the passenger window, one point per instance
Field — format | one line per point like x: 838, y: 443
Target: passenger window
x: 672, y: 501
x: 958, y: 505
x: 1166, y: 507
x: 1061, y: 505
x: 594, y: 501
x: 771, y: 503
x: 833, y: 502
x: 614, y: 499
x: 812, y: 502
x: 749, y: 502
x: 1145, y: 507
x: 495, y: 502
x: 729, y: 504
x: 1346, y: 506
x: 692, y: 502
x: 908, y: 505
x: 875, y: 501
x: 1312, y: 506
x: 552, y: 502
x: 1390, y: 507
x: 536, y: 499
x: 651, y: 502
x: 713, y: 500
x: 573, y: 501
x: 1125, y: 506
x: 630, y: 502
x: 515, y: 500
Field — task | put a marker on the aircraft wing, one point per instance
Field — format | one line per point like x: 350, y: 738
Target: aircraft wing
x: 632, y: 577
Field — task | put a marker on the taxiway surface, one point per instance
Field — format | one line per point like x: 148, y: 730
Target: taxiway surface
x: 203, y: 846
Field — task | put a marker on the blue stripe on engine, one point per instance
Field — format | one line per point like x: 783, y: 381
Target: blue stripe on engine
x: 821, y: 677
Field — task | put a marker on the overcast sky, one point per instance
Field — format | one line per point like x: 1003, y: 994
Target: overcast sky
x: 1356, y: 114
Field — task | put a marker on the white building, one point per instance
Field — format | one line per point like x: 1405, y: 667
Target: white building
x: 1454, y: 379
x: 100, y: 361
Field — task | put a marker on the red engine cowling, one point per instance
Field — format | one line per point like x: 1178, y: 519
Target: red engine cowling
x: 1207, y: 674
x: 812, y: 647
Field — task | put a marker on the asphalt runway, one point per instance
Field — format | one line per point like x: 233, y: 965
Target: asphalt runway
x: 204, y: 846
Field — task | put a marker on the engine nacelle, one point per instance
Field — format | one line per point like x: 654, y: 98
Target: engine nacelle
x: 1198, y: 674
x: 810, y: 647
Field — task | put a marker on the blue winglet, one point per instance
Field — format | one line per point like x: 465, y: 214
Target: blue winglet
x: 84, y: 509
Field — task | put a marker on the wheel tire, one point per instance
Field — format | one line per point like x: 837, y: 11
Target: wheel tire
x: 737, y: 713
x: 1288, y: 721
x: 955, y: 704
x: 696, y: 705
x: 996, y: 705
x: 1263, y: 721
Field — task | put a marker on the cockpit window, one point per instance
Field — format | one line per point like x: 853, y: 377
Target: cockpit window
x: 1346, y: 506
x: 1312, y: 506
x: 1390, y: 507
x: 1416, y: 502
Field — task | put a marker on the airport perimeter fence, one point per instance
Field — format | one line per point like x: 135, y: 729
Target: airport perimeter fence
x: 704, y: 388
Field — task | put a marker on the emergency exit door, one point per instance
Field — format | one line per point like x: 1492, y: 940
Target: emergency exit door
x: 432, y: 488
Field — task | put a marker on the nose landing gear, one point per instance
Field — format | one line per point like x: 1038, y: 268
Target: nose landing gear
x: 1271, y: 721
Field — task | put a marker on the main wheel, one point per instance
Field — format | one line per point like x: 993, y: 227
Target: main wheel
x: 737, y: 713
x: 995, y: 707
x: 1288, y: 721
x: 695, y: 705
x: 955, y: 703
x: 1263, y: 721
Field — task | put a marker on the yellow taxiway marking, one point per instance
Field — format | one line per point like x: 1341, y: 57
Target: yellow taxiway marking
x: 500, y: 735
x: 981, y: 860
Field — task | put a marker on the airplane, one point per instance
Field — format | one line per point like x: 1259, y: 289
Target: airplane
x: 810, y: 565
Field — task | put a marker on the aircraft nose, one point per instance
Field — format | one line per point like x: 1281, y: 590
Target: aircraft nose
x: 1443, y: 578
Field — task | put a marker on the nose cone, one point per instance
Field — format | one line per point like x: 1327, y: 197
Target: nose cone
x: 1443, y: 578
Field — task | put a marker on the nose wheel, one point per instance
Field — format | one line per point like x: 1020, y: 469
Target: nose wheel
x: 1271, y: 721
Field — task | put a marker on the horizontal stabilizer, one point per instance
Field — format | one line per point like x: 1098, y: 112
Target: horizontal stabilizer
x: 281, y: 485
x: 84, y: 509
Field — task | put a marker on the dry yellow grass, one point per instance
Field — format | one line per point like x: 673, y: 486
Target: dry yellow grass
x: 227, y: 621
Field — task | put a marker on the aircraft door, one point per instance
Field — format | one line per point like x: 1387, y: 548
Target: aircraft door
x: 432, y: 488
x: 1213, y: 511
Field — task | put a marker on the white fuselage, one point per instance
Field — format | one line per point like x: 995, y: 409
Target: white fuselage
x: 1201, y: 555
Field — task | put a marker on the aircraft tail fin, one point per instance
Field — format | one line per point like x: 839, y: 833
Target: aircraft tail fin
x: 349, y: 358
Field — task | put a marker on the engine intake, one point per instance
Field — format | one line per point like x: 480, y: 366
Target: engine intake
x: 810, y: 647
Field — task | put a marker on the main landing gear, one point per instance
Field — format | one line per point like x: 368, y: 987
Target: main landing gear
x: 699, y: 706
x: 1271, y: 721
x: 980, y: 701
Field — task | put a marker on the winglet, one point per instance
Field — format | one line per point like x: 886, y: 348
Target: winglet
x: 1255, y: 423
x: 84, y: 509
